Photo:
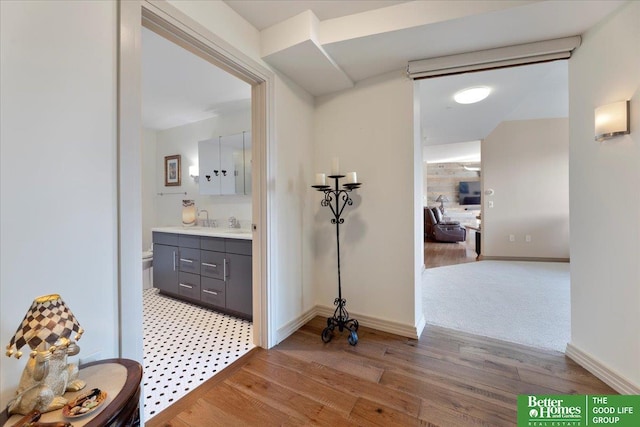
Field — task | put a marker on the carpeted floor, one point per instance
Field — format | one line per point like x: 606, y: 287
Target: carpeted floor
x: 522, y: 302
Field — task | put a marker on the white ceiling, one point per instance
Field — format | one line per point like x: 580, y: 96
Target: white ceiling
x: 179, y: 87
x: 518, y: 93
x: 335, y: 44
x: 262, y: 14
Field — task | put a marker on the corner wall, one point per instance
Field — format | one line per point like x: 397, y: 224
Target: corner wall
x: 605, y: 201
x: 370, y: 129
x: 526, y: 163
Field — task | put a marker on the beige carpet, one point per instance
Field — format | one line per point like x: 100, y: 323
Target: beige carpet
x: 522, y: 302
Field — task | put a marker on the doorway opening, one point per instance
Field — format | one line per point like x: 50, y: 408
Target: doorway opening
x: 520, y: 205
x: 196, y: 321
x: 167, y: 21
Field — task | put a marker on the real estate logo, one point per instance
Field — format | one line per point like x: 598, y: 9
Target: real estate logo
x: 578, y: 411
x: 556, y: 410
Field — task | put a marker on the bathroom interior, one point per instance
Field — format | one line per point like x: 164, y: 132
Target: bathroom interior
x: 199, y: 112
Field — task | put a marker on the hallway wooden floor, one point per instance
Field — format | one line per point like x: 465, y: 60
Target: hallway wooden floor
x: 447, y: 378
x: 439, y: 254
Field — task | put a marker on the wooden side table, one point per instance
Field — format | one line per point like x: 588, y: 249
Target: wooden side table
x: 120, y: 378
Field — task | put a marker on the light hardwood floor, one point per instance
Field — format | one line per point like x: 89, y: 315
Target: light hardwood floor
x: 447, y: 378
x: 439, y: 254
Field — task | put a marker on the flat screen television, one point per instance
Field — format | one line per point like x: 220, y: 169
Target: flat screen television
x: 469, y: 192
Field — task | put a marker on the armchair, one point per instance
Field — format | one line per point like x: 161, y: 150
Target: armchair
x: 441, y: 231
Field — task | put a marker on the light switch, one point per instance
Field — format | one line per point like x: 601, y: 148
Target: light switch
x: 490, y: 203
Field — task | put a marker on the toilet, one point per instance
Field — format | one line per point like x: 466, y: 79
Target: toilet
x: 147, y: 269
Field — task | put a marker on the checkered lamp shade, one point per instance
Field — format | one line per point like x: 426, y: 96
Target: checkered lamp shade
x: 48, y: 320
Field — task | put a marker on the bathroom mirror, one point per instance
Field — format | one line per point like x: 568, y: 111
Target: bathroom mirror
x: 225, y: 164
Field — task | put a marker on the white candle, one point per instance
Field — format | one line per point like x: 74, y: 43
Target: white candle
x: 351, y: 178
x: 335, y: 166
x: 320, y: 179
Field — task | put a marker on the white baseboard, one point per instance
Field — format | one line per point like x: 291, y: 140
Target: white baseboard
x: 295, y: 324
x: 600, y: 370
x: 401, y: 329
x: 422, y: 323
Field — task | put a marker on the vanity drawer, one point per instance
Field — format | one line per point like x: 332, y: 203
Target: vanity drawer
x: 212, y: 244
x: 212, y: 264
x: 165, y: 238
x: 189, y: 260
x: 238, y: 246
x: 188, y: 241
x: 189, y: 285
x: 213, y: 291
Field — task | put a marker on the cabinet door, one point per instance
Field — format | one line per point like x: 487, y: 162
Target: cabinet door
x: 165, y: 271
x: 239, y: 289
x: 209, y: 166
x: 231, y: 164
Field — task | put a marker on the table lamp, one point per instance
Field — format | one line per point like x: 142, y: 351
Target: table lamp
x: 46, y: 328
x: 442, y: 198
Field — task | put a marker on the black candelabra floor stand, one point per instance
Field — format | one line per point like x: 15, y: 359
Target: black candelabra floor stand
x: 337, y: 199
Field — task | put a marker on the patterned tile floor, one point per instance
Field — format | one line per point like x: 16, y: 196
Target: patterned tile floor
x: 185, y: 345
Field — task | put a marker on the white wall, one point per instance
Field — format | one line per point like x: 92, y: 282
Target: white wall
x: 58, y: 169
x: 605, y: 201
x: 183, y: 140
x: 294, y: 289
x: 149, y: 168
x: 526, y: 163
x: 370, y: 128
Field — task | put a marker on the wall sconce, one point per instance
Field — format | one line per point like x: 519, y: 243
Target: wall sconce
x: 194, y: 173
x: 612, y: 120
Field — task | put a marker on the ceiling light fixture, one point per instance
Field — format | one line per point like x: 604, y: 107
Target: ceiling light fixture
x: 472, y: 95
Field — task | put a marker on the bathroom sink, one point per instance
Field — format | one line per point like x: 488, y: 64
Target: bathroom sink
x: 238, y: 233
x: 235, y: 231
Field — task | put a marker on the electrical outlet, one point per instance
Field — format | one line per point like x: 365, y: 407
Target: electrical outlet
x: 512, y: 238
x: 527, y: 238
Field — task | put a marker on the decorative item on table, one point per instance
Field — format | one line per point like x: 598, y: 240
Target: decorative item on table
x: 189, y: 213
x: 46, y: 328
x: 172, y: 171
x: 85, y: 404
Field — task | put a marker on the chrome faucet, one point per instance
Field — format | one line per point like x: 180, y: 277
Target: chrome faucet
x: 205, y: 223
x: 233, y: 222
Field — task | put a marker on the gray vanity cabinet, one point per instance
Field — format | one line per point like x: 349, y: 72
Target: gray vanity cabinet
x: 165, y: 273
x: 213, y: 271
x: 239, y: 292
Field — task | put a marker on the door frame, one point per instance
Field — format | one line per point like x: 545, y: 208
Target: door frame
x: 174, y: 25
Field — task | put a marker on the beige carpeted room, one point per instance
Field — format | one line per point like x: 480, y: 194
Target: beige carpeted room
x: 497, y: 247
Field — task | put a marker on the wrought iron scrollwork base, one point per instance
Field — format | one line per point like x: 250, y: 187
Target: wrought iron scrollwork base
x: 341, y: 321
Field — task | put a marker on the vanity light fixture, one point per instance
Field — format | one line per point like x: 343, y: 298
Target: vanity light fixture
x: 612, y: 120
x: 471, y: 95
x: 194, y: 173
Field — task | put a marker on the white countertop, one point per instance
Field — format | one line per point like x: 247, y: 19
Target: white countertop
x: 227, y: 233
